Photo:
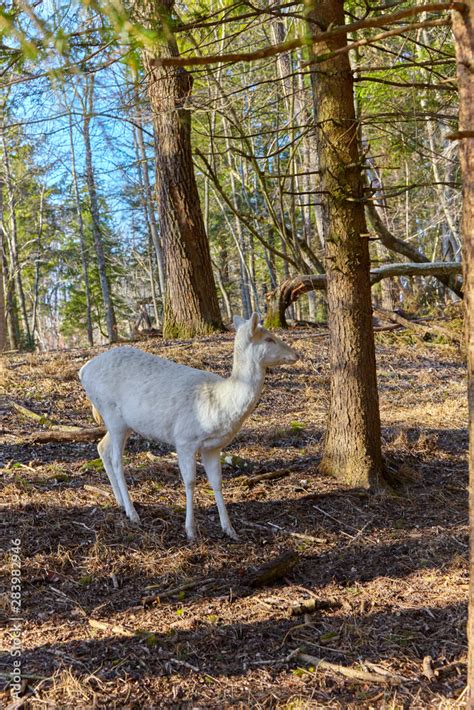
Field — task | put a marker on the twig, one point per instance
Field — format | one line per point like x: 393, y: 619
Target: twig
x: 270, y: 476
x: 428, y: 671
x: 192, y: 584
x: 380, y: 670
x: 354, y: 673
x: 30, y: 414
x: 420, y: 330
x: 307, y: 606
x: 299, y: 536
x: 185, y: 664
x: 328, y: 515
x: 111, y: 628
x: 99, y: 491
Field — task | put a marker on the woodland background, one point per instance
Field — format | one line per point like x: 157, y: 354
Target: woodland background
x: 164, y: 166
x: 80, y: 231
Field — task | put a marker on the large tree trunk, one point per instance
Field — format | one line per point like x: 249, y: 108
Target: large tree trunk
x: 95, y: 215
x: 191, y: 305
x: 463, y: 27
x: 352, y: 449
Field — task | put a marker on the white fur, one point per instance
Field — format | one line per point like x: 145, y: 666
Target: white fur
x: 193, y: 410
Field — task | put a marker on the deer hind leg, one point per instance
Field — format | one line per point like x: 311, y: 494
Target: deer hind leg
x: 118, y: 439
x: 104, y: 448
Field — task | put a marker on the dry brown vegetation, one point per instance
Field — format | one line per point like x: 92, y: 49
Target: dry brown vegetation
x: 387, y: 572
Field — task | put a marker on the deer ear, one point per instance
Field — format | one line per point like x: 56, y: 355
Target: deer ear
x: 253, y: 322
x: 238, y: 321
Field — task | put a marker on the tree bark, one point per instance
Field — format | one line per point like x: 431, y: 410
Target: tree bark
x: 6, y: 339
x: 144, y: 177
x: 3, y: 313
x: 12, y: 241
x: 11, y: 315
x: 39, y: 249
x: 352, y: 450
x: 95, y: 215
x: 463, y: 28
x: 191, y: 305
x: 82, y: 240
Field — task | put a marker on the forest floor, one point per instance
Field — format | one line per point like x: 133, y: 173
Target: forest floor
x: 384, y: 576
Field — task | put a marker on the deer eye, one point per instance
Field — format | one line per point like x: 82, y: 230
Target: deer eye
x: 269, y: 339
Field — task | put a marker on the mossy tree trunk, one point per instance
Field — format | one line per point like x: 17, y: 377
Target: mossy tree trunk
x: 191, y: 305
x: 281, y: 298
x: 352, y: 450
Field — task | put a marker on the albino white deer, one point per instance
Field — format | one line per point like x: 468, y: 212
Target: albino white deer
x: 195, y: 411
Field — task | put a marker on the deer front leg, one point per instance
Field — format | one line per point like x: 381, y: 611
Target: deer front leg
x: 187, y: 466
x: 211, y: 460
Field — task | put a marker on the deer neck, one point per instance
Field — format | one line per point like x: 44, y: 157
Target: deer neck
x: 243, y: 388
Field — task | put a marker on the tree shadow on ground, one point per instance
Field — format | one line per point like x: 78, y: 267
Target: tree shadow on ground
x: 225, y: 651
x: 71, y: 549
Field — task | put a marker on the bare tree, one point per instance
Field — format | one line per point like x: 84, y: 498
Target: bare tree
x: 82, y: 240
x: 144, y: 177
x: 88, y: 105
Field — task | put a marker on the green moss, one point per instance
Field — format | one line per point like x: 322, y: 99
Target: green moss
x: 273, y: 320
x: 92, y: 466
x: 174, y: 330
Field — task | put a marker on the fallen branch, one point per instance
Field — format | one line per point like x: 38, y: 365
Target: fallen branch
x: 270, y: 476
x: 291, y: 289
x: 30, y: 414
x: 110, y: 628
x: 65, y: 435
x: 185, y: 664
x: 353, y: 673
x: 272, y: 570
x: 421, y: 330
x: 165, y: 594
x: 299, y: 536
x: 98, y: 491
x: 431, y: 268
x: 309, y: 606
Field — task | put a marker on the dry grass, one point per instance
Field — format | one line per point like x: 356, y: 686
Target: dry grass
x: 391, y: 574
